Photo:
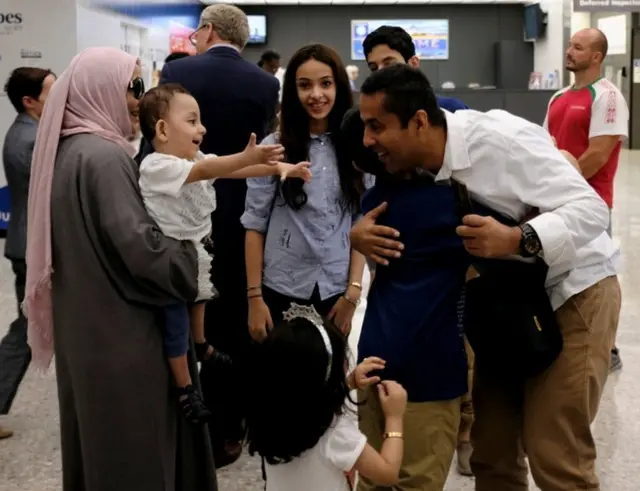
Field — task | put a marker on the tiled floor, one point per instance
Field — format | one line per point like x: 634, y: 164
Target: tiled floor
x: 30, y: 461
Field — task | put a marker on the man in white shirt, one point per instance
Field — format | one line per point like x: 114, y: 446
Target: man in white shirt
x: 511, y: 166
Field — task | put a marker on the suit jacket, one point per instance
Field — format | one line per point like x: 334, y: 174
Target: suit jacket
x: 16, y: 157
x: 236, y: 98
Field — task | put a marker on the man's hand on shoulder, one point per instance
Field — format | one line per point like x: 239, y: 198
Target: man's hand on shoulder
x: 373, y: 240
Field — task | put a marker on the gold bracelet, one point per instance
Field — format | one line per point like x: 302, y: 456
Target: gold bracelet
x: 393, y: 434
x: 357, y: 285
x: 249, y: 288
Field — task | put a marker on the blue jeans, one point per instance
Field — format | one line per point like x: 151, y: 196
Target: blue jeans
x: 176, y: 330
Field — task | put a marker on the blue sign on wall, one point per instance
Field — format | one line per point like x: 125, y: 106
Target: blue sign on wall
x: 5, y: 208
x: 430, y: 36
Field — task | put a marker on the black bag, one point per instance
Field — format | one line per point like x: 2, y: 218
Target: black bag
x: 508, y: 318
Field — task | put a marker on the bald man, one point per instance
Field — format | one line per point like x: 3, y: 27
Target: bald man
x: 589, y: 120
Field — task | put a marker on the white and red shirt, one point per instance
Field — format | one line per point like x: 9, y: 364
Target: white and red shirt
x: 575, y: 116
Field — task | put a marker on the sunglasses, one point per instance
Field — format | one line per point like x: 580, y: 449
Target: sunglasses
x: 136, y: 87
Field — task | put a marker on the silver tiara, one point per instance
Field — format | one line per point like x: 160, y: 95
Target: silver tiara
x: 309, y: 313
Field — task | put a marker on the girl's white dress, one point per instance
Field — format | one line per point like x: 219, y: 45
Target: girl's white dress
x: 323, y: 467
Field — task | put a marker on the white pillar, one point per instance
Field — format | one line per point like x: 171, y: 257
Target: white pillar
x: 547, y: 52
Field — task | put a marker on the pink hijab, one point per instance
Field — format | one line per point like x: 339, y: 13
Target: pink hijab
x: 89, y: 97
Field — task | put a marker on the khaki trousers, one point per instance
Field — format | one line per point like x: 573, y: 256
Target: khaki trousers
x: 430, y: 439
x: 549, y: 419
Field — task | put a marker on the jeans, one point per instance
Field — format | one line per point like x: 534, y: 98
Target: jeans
x: 176, y: 330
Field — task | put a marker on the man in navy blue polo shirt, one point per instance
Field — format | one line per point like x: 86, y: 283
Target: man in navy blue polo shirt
x: 389, y: 45
x: 412, y: 317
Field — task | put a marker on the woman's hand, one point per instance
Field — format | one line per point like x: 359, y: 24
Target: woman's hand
x: 300, y: 170
x: 342, y: 312
x: 359, y: 378
x: 373, y: 240
x: 260, y: 322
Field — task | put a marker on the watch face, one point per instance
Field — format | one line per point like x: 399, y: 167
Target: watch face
x: 532, y: 244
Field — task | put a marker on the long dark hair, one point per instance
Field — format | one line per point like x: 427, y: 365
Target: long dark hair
x: 294, y: 126
x: 290, y: 404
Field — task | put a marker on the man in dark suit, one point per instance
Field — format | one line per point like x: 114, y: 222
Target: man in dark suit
x: 236, y: 98
x: 27, y: 89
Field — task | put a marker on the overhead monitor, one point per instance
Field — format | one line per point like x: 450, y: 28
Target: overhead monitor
x: 430, y: 36
x: 257, y: 29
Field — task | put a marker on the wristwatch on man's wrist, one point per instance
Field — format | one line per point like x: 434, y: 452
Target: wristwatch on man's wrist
x: 530, y: 244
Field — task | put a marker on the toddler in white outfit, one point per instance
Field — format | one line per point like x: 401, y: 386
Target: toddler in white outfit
x: 176, y: 182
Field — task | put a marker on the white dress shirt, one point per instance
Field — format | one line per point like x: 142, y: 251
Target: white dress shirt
x: 511, y: 166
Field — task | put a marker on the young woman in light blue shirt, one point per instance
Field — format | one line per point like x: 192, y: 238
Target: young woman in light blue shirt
x: 297, y: 242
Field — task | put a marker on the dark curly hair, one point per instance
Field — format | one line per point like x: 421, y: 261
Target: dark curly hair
x: 294, y: 126
x: 290, y: 405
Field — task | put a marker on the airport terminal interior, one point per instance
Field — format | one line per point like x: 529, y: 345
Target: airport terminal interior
x: 30, y: 460
x: 493, y: 54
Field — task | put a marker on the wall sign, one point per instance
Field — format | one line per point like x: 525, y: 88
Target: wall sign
x: 606, y: 5
x: 10, y: 22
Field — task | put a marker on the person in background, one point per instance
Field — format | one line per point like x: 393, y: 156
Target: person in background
x: 27, y: 89
x: 389, y: 45
x: 236, y: 98
x: 353, y: 72
x: 270, y: 61
x: 100, y: 271
x: 589, y: 120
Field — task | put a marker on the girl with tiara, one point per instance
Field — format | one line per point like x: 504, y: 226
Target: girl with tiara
x: 300, y: 422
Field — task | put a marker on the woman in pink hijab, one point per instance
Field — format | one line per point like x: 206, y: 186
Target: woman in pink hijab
x: 98, y: 269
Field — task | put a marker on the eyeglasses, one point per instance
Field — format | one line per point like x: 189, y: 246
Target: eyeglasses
x: 193, y: 37
x: 136, y: 87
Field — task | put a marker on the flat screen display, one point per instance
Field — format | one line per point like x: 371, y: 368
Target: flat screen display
x: 431, y: 36
x: 257, y: 29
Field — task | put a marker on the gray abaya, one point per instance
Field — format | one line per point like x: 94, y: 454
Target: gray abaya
x: 113, y: 270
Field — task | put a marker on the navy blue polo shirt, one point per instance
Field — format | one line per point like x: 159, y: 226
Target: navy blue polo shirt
x: 451, y: 104
x: 413, y: 316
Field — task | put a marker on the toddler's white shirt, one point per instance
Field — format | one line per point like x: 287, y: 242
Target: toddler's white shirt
x: 182, y: 211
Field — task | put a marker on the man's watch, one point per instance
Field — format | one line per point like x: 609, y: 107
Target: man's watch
x: 530, y: 244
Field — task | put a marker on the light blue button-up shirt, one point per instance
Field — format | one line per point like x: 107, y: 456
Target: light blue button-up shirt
x: 310, y: 246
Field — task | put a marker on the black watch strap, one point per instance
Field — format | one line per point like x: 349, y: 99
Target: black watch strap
x: 530, y: 244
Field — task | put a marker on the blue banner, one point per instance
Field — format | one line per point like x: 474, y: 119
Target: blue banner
x: 5, y: 208
x: 431, y: 37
